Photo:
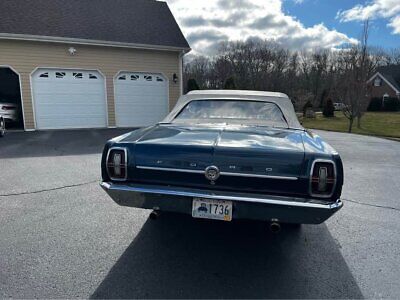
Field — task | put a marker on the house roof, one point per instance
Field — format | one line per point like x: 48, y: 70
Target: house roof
x: 391, y: 74
x: 134, y: 22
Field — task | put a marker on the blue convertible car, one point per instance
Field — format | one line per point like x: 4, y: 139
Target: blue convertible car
x: 227, y: 155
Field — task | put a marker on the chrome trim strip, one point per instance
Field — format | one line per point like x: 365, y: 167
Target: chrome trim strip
x: 259, y: 176
x: 221, y: 173
x: 170, y: 169
x: 127, y: 189
x: 125, y: 164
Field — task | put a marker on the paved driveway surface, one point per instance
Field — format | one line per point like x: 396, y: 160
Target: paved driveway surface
x: 61, y: 236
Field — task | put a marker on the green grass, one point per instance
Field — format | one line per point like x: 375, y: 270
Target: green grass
x: 383, y: 124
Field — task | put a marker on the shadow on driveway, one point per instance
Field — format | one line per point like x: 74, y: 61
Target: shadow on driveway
x: 178, y: 257
x: 56, y: 142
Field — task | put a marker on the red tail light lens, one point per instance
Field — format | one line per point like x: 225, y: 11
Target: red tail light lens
x: 323, y: 179
x: 117, y: 164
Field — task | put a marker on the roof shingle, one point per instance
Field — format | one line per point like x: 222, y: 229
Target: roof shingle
x: 392, y: 74
x: 147, y: 22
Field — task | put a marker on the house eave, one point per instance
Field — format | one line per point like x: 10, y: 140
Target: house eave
x: 387, y: 81
x: 64, y: 40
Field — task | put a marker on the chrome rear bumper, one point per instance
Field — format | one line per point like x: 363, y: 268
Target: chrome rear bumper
x: 245, y: 206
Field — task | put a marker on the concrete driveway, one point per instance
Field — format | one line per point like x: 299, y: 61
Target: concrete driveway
x: 62, y: 237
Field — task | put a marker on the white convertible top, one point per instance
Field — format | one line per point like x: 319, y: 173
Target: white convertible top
x: 280, y: 99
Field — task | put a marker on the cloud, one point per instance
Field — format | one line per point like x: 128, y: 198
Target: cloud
x: 206, y: 35
x: 395, y: 23
x: 269, y: 21
x: 375, y: 9
x: 208, y: 22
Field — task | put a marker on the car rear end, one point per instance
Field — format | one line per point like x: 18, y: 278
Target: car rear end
x: 170, y: 170
x: 9, y: 111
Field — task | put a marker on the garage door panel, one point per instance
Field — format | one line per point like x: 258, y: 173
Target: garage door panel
x: 70, y: 99
x: 76, y: 100
x: 141, y: 99
x: 69, y: 110
x: 62, y: 123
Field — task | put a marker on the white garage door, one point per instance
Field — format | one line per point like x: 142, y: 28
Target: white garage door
x: 141, y: 99
x: 69, y: 99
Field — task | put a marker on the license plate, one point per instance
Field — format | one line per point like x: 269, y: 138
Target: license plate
x: 212, y: 209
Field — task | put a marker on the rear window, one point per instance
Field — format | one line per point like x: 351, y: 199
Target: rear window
x: 232, y: 111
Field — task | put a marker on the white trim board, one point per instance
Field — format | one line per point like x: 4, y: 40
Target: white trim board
x: 384, y: 79
x: 65, y: 40
x: 20, y: 91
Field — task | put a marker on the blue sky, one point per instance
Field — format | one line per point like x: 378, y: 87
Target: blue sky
x: 295, y: 24
x: 380, y: 34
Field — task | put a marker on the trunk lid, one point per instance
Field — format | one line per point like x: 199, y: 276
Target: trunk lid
x: 258, y: 159
x: 177, y: 147
x: 259, y: 151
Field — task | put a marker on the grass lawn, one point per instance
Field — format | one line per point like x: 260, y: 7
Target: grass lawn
x: 383, y: 124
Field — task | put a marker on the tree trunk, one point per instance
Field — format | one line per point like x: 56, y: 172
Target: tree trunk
x: 359, y: 122
x: 351, y: 120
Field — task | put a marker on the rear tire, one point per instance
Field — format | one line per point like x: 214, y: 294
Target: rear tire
x: 2, y: 127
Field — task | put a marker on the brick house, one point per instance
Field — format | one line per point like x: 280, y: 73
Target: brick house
x: 385, y: 83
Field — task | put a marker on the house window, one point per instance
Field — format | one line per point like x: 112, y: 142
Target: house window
x: 123, y: 77
x: 134, y: 77
x: 92, y: 76
x: 60, y: 74
x: 77, y: 75
x: 44, y: 75
x: 148, y: 78
x: 377, y: 81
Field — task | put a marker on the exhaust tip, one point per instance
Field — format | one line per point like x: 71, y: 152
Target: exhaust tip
x: 154, y: 215
x: 275, y: 227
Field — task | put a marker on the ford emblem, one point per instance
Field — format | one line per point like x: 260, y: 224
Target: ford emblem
x: 212, y: 173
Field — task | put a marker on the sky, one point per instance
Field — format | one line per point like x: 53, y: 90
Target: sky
x: 295, y: 24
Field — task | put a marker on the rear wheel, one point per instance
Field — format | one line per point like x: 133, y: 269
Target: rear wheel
x: 2, y: 127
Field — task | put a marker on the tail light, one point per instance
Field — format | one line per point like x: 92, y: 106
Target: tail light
x: 323, y: 178
x: 117, y: 164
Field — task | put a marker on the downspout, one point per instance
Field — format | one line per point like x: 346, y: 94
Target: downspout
x: 181, y: 55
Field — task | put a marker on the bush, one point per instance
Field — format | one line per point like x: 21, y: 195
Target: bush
x: 307, y: 106
x: 329, y: 109
x: 391, y: 104
x: 192, y: 85
x: 230, y: 84
x: 375, y: 104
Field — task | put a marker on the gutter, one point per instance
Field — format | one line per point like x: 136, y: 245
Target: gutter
x: 65, y: 40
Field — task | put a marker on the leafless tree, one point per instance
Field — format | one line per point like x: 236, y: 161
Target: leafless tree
x: 313, y: 75
x: 391, y: 56
x: 355, y: 67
